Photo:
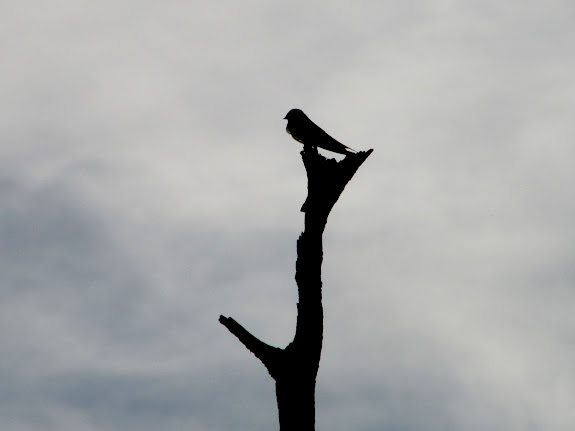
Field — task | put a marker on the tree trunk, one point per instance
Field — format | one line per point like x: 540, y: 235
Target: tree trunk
x: 295, y: 368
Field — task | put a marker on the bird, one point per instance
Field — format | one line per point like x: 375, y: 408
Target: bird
x: 303, y: 130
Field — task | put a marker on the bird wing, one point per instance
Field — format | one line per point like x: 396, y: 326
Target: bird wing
x: 306, y: 131
x: 329, y: 143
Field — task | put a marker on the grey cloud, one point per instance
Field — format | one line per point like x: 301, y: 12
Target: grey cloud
x: 148, y: 186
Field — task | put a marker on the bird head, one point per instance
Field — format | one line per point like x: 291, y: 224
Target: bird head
x: 294, y: 114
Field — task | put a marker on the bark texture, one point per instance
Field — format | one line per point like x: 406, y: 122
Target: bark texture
x: 295, y: 367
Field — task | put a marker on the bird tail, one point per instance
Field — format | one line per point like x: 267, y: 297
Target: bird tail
x: 349, y: 150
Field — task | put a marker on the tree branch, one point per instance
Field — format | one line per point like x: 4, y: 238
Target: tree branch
x: 269, y: 355
x: 295, y: 368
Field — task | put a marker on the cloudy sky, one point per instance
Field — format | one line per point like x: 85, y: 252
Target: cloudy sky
x: 148, y: 186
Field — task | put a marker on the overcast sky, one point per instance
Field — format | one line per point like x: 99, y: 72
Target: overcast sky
x: 147, y: 186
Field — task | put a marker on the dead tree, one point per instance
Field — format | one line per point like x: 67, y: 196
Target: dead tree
x: 295, y: 367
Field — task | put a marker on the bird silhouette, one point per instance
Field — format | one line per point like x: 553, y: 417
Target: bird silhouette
x: 303, y: 130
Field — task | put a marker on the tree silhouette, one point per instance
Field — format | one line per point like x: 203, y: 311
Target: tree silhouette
x: 295, y: 367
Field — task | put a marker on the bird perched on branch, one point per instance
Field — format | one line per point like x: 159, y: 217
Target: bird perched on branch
x: 303, y: 130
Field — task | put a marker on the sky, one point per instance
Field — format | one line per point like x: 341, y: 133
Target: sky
x: 147, y: 186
